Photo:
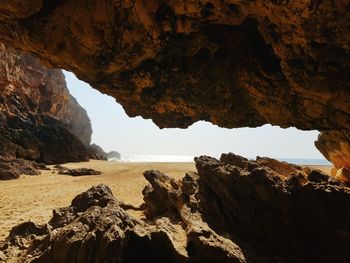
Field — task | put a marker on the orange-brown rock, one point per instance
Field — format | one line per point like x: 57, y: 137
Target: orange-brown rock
x: 39, y: 119
x: 234, y: 63
x: 228, y: 212
x: 27, y: 87
x: 335, y: 146
x: 343, y: 175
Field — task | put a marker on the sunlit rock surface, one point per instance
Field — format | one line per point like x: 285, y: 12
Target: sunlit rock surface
x: 39, y: 119
x: 230, y: 211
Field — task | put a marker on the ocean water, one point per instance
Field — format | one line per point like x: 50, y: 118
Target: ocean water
x: 189, y: 158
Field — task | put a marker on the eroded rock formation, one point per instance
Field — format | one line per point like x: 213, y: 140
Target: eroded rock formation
x: 39, y: 119
x: 28, y: 88
x: 335, y: 146
x: 233, y: 63
x: 233, y: 210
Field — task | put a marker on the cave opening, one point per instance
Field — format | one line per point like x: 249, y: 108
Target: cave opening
x: 140, y: 139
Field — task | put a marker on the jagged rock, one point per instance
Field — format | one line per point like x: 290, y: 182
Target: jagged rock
x: 93, y: 229
x: 260, y: 209
x: 335, y: 146
x: 225, y: 213
x: 280, y: 168
x: 114, y: 155
x: 241, y: 63
x: 13, y: 169
x: 76, y: 172
x: 162, y: 194
x: 96, y: 152
x: 39, y: 118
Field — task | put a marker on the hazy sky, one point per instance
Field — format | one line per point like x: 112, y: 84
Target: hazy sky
x: 114, y: 130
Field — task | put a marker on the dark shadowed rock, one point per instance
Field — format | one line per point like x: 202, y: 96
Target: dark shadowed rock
x: 76, y: 172
x: 13, y: 169
x: 39, y: 119
x: 96, y: 152
x: 260, y: 209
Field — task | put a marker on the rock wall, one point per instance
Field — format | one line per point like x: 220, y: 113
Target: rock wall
x: 234, y: 210
x: 234, y: 63
x: 39, y: 119
x: 27, y: 87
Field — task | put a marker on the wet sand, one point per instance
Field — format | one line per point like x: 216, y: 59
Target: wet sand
x: 34, y: 197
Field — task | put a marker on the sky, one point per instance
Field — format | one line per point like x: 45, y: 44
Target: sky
x: 114, y: 130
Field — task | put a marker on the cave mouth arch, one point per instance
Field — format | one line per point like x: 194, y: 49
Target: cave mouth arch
x: 139, y: 139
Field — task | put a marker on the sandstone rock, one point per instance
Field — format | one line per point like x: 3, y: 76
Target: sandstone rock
x: 343, y: 175
x: 38, y: 115
x: 29, y: 88
x: 335, y: 146
x: 93, y: 229
x: 162, y: 194
x: 269, y: 217
x: 280, y: 168
x: 235, y: 64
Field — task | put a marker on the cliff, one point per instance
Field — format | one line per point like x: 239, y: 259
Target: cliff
x: 39, y: 119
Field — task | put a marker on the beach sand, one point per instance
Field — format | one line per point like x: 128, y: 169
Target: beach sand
x: 34, y: 197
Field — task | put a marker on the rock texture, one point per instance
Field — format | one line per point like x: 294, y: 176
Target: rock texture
x: 28, y: 88
x: 335, y: 146
x: 233, y: 63
x: 96, y: 152
x: 39, y: 119
x: 13, y: 169
x: 231, y: 211
x: 76, y: 172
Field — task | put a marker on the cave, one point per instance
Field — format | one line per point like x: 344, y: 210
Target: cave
x: 231, y: 63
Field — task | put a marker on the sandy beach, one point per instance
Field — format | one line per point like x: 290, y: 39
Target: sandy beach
x: 34, y: 197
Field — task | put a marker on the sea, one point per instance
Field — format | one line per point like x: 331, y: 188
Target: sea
x: 189, y: 158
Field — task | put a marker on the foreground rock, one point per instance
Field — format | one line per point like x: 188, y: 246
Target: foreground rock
x: 233, y: 63
x: 233, y: 210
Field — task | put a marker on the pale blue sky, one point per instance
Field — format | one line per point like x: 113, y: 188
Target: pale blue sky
x: 114, y: 130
